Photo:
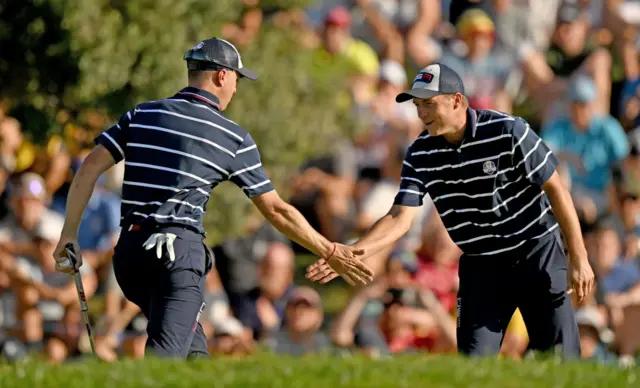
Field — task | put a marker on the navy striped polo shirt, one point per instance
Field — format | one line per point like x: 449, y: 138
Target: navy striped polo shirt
x: 488, y: 188
x: 176, y: 151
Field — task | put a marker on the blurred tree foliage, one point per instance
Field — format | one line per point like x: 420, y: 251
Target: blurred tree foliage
x: 108, y: 55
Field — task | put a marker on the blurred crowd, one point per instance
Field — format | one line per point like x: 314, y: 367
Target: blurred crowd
x: 572, y: 64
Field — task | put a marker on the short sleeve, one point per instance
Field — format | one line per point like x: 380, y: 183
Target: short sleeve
x: 247, y: 171
x: 618, y: 140
x: 114, y: 139
x: 530, y: 155
x: 412, y: 189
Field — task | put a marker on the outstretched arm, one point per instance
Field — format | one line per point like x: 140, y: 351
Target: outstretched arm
x: 248, y: 174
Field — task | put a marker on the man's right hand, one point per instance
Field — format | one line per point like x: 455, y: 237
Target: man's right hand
x: 346, y: 262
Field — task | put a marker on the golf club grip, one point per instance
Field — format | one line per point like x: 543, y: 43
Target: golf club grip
x: 69, y: 247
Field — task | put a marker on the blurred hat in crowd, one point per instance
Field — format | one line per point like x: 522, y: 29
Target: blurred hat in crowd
x: 31, y: 185
x: 568, y: 13
x: 393, y: 72
x: 582, y: 89
x: 474, y: 21
x: 338, y: 16
x: 591, y: 317
x: 306, y: 295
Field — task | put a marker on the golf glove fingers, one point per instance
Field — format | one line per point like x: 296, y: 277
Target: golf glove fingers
x: 158, y: 240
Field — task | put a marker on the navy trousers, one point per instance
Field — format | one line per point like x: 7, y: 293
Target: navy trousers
x: 532, y: 278
x: 170, y: 294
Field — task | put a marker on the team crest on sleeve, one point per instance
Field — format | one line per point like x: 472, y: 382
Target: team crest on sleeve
x: 489, y: 167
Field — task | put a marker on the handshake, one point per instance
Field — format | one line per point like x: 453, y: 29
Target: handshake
x: 345, y: 261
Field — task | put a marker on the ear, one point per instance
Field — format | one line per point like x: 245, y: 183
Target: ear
x: 458, y: 101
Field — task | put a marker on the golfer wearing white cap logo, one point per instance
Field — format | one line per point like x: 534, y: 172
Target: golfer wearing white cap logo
x: 495, y: 185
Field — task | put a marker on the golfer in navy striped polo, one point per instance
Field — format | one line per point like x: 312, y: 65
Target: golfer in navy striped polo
x: 176, y: 151
x: 495, y: 186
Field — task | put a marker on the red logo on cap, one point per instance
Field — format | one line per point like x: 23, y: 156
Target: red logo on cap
x: 426, y: 77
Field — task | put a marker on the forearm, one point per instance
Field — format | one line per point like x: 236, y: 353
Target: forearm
x: 80, y: 192
x: 564, y: 211
x: 383, y: 233
x: 292, y: 224
x: 342, y: 332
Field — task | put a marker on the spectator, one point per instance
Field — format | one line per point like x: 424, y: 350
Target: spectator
x: 410, y: 319
x: 590, y: 144
x: 619, y: 286
x: 301, y: 332
x: 337, y: 41
x: 591, y: 326
x: 43, y: 295
x: 256, y: 273
x: 484, y: 69
x: 570, y: 54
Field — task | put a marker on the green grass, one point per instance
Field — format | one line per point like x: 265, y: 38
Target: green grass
x: 268, y: 371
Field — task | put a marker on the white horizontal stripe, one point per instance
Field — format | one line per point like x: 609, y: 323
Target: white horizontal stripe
x: 515, y: 246
x: 486, y: 236
x: 432, y: 151
x: 141, y: 184
x: 246, y: 169
x: 410, y: 191
x: 186, y: 203
x: 114, y: 143
x: 407, y: 164
x: 161, y: 129
x: 202, y: 191
x: 407, y: 178
x: 152, y: 166
x: 544, y: 161
x: 205, y: 161
x: 243, y: 150
x: 488, y: 210
x: 464, y: 163
x: 501, y: 221
x: 485, y: 140
x: 480, y: 124
x: 162, y: 216
x: 477, y: 195
x: 191, y: 119
x: 257, y: 185
x: 172, y: 200
x: 203, y: 106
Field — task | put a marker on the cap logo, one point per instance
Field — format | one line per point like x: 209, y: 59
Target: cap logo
x: 198, y: 46
x: 424, y: 77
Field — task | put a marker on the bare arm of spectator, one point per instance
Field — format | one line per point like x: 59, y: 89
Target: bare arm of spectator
x: 429, y: 15
x: 343, y: 328
x: 442, y: 318
x: 384, y: 31
x: 626, y: 299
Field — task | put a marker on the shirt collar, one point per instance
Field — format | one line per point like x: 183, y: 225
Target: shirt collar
x: 472, y: 120
x: 201, y: 95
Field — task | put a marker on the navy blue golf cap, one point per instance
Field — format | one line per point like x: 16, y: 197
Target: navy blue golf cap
x: 433, y: 80
x: 214, y: 53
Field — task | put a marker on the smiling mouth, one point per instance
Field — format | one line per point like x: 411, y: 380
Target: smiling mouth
x: 429, y: 123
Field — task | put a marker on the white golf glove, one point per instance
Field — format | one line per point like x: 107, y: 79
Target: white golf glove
x: 158, y: 240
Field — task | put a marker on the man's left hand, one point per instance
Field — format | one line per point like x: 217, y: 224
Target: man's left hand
x: 581, y: 278
x: 64, y: 263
